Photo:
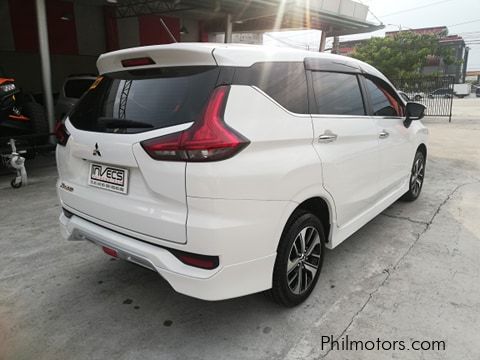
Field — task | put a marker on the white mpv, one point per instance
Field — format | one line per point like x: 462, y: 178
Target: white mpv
x: 229, y: 169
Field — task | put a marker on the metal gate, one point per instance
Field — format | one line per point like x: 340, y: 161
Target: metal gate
x: 435, y: 92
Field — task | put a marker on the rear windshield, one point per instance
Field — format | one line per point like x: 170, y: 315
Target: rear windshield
x: 143, y: 100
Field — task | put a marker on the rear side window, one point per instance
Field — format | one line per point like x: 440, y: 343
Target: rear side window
x: 285, y: 82
x: 143, y: 100
x: 337, y: 93
x: 75, y: 88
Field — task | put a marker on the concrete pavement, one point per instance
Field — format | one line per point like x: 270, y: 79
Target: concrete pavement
x: 411, y: 273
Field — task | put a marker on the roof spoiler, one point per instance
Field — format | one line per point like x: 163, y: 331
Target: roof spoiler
x: 161, y: 55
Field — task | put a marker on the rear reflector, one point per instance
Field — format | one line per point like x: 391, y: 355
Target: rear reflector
x: 109, y: 251
x: 196, y: 260
x: 137, y: 62
x: 208, y: 139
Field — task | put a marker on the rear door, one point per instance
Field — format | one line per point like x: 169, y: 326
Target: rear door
x: 346, y: 141
x: 114, y: 181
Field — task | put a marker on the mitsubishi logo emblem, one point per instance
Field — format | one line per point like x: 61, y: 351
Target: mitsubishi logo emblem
x: 96, y: 152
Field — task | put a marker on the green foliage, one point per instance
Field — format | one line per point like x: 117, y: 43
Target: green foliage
x: 402, y: 55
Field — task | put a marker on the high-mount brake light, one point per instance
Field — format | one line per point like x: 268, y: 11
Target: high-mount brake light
x: 137, y: 62
x: 208, y: 139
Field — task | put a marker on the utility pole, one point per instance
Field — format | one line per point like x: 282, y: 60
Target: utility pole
x: 336, y: 45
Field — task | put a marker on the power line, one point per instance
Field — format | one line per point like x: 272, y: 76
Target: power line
x: 468, y: 33
x: 463, y: 23
x: 288, y: 43
x: 416, y: 8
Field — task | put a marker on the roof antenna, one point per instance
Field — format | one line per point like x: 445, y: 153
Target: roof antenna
x: 168, y: 30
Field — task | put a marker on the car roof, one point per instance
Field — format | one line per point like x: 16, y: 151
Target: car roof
x: 240, y: 55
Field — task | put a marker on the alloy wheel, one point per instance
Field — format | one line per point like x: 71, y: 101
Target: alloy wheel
x: 303, y: 260
x: 416, y: 179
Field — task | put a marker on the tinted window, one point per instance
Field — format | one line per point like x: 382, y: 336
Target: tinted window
x: 382, y: 100
x: 75, y: 88
x: 141, y: 100
x: 285, y: 82
x: 337, y: 93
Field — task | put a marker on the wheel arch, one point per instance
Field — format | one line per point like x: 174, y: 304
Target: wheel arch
x: 319, y: 206
x: 423, y: 149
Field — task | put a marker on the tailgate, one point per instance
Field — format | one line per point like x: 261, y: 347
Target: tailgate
x: 154, y: 204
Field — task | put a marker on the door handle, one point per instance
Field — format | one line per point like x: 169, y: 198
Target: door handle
x: 384, y: 134
x: 327, y: 137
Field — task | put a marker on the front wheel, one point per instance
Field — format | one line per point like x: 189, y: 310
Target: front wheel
x: 416, y: 178
x: 299, y: 259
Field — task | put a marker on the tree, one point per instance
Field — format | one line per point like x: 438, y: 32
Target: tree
x: 404, y: 54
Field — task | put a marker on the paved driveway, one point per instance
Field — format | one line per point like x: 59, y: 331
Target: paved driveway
x: 413, y: 273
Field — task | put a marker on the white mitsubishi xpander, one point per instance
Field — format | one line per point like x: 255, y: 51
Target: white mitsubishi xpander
x: 229, y: 169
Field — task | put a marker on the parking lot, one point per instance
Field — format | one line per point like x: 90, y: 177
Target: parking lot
x: 410, y: 274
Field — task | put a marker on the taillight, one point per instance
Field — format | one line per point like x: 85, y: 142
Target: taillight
x: 61, y: 133
x: 208, y: 139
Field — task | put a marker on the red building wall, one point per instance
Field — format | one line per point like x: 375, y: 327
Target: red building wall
x: 62, y: 32
x: 151, y: 31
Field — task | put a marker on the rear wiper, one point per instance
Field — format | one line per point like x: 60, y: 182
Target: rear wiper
x: 115, y: 123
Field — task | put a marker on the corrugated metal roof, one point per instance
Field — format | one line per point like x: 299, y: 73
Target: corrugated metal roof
x: 336, y: 17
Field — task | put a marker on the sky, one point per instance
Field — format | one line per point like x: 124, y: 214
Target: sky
x: 462, y: 17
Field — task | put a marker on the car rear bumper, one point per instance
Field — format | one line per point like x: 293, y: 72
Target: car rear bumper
x: 223, y: 282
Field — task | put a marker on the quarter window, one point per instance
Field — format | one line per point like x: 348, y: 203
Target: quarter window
x: 285, y: 82
x: 383, y: 101
x: 337, y: 93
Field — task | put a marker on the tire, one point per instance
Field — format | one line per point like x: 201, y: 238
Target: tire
x: 15, y: 185
x: 36, y: 113
x: 417, y: 176
x: 286, y: 288
x: 417, y: 98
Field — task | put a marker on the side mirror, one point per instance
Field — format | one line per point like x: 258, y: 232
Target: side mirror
x: 415, y: 111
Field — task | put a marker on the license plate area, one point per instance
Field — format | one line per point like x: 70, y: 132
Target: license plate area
x: 108, y: 177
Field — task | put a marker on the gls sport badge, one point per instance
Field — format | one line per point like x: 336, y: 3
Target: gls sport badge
x: 108, y: 177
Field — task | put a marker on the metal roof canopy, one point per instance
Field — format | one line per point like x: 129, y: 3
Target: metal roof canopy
x: 335, y: 17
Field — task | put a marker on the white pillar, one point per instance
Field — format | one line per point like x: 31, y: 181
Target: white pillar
x: 228, y: 28
x: 336, y: 44
x: 323, y: 41
x: 45, y: 61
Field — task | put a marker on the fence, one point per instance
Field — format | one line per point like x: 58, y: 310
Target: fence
x: 435, y: 92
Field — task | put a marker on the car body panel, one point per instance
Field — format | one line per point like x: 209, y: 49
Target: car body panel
x: 283, y: 145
